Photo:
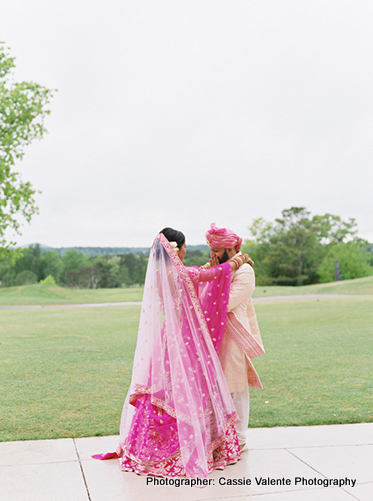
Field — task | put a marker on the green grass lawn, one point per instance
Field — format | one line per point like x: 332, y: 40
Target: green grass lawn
x: 318, y: 363
x: 357, y: 286
x: 53, y: 294
x: 46, y: 294
x: 65, y: 372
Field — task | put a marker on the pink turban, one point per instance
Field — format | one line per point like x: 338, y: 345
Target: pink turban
x: 223, y: 238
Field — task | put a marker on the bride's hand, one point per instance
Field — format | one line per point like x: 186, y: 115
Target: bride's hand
x: 247, y: 259
x: 238, y: 261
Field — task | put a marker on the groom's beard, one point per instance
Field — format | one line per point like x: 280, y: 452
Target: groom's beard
x: 224, y: 257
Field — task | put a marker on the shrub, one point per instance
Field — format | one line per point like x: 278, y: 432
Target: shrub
x: 49, y: 280
x: 26, y: 277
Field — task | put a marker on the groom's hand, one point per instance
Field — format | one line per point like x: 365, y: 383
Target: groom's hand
x: 214, y: 261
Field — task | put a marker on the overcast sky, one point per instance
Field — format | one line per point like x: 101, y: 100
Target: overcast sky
x: 182, y: 113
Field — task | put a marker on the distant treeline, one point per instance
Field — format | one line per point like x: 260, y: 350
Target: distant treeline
x: 111, y: 251
x: 295, y: 249
x: 88, y: 267
x: 100, y: 251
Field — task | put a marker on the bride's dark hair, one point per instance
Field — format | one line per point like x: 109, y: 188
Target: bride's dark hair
x: 174, y: 236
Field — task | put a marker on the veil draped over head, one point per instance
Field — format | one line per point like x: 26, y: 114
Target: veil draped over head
x: 178, y: 418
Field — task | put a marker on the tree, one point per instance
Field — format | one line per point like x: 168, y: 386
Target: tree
x: 109, y: 271
x: 7, y: 275
x: 130, y: 262
x: 136, y: 267
x: 196, y: 257
x: 290, y: 250
x: 142, y: 264
x: 72, y: 261
x: 332, y: 229
x: 290, y: 247
x: 353, y: 257
x: 30, y: 260
x: 22, y: 114
x: 25, y: 278
x: 86, y: 278
x: 51, y: 264
x: 258, y: 247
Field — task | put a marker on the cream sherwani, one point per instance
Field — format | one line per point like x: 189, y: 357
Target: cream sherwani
x: 238, y: 369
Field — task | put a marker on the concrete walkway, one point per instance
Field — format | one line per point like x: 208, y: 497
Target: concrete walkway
x: 282, y: 464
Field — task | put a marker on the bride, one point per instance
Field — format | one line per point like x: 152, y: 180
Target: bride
x: 179, y: 419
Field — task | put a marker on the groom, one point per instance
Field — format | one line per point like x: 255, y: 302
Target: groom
x: 242, y: 340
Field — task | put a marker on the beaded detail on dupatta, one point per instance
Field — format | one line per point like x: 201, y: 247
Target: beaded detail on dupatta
x: 179, y: 417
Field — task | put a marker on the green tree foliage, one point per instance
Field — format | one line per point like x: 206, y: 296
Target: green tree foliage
x: 8, y: 279
x: 133, y: 268
x: 103, y: 251
x: 290, y: 250
x: 51, y: 265
x: 258, y: 247
x: 22, y: 113
x: 74, y: 269
x: 25, y: 278
x: 5, y: 267
x: 108, y: 271
x: 294, y: 245
x: 196, y: 257
x: 72, y: 262
x: 332, y: 230
x: 354, y: 258
x: 30, y: 260
x: 85, y: 267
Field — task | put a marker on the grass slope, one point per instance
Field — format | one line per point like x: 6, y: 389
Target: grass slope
x: 46, y: 294
x: 65, y: 372
x: 357, y: 286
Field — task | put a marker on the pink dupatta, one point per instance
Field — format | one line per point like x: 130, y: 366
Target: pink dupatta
x: 178, y: 418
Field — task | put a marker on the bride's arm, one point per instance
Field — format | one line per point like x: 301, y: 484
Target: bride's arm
x: 207, y: 274
x: 214, y: 262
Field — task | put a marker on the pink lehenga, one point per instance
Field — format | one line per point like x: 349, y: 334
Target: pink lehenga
x: 178, y: 418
